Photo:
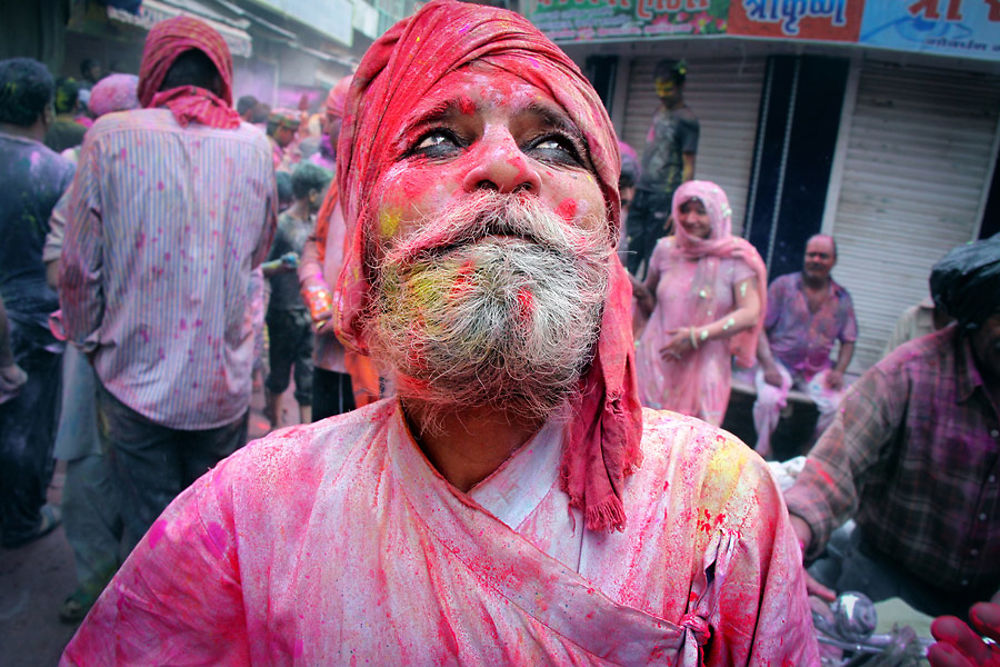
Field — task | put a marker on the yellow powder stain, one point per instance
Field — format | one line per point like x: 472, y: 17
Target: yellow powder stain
x: 704, y: 334
x: 730, y: 323
x: 723, y: 474
x: 743, y: 289
x: 388, y: 223
x: 426, y: 289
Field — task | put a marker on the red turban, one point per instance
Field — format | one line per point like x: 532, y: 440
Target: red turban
x: 602, y: 441
x: 169, y: 39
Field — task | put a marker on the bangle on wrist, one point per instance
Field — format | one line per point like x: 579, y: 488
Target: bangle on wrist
x: 694, y: 339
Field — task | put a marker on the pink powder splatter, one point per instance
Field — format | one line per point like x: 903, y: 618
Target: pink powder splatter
x: 215, y: 540
x: 567, y: 209
x: 156, y: 532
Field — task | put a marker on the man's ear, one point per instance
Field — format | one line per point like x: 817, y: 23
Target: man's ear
x: 314, y: 197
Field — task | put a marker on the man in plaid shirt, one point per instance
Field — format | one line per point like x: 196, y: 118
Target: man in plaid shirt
x: 914, y: 456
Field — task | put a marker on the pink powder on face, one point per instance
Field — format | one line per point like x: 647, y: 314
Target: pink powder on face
x: 567, y: 209
x: 466, y: 105
x: 518, y: 163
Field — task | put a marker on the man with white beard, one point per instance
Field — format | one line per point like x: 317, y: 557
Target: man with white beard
x: 513, y: 504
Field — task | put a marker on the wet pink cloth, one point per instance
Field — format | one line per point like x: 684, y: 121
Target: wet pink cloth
x: 338, y: 542
x: 402, y: 66
x: 190, y: 103
x: 696, y: 279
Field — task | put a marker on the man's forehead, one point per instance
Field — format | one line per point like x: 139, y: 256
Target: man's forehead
x: 819, y: 244
x: 480, y: 88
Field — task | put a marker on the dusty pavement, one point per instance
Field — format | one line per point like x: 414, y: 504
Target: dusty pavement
x: 36, y: 578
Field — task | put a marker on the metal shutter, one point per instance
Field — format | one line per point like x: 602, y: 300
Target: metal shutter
x: 725, y: 95
x: 918, y: 159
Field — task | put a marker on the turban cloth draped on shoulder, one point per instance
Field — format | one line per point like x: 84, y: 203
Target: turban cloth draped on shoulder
x: 602, y: 438
x: 165, y: 42
x: 966, y: 282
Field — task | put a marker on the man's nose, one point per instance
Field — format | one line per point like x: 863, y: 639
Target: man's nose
x: 503, y: 167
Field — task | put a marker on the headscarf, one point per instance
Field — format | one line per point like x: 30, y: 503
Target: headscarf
x: 966, y: 282
x: 283, y: 118
x: 115, y: 92
x: 601, y: 443
x: 335, y: 102
x: 337, y: 98
x: 720, y: 244
x: 165, y: 42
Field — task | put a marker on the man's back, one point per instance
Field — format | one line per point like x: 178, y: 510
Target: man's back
x: 183, y: 214
x: 33, y: 178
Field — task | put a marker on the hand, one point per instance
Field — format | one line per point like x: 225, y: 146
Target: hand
x: 319, y: 300
x: 772, y: 376
x: 803, y: 533
x: 645, y: 299
x: 322, y: 320
x: 834, y: 379
x: 959, y: 646
x: 290, y: 260
x: 678, y: 344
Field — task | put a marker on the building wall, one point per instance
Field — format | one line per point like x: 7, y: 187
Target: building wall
x: 909, y: 176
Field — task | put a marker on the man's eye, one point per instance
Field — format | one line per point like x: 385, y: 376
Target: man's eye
x: 436, y: 143
x: 557, y: 148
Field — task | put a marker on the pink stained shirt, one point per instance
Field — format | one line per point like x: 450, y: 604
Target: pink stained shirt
x: 338, y: 543
x: 163, y: 228
x: 689, y: 294
x: 800, y: 339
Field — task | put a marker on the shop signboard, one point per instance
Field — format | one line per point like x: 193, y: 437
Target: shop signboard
x: 966, y: 28
x: 826, y: 20
x: 607, y: 20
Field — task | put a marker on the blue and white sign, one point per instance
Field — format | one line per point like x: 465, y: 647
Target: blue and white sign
x: 966, y: 28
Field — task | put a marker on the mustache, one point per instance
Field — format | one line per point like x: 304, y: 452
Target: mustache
x: 490, y: 214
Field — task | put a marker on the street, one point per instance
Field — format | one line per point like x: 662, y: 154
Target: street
x: 35, y: 579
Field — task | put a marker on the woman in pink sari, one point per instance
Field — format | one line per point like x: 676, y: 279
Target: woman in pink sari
x: 704, y: 294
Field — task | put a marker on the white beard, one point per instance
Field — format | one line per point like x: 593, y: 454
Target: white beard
x: 502, y: 313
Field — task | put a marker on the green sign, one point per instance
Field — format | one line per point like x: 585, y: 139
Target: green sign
x: 596, y: 20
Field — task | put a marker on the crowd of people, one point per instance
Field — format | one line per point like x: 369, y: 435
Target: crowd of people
x: 528, y: 467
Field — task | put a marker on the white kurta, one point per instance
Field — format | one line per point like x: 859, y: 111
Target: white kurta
x: 338, y: 543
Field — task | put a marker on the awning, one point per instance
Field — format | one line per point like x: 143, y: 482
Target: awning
x: 153, y: 11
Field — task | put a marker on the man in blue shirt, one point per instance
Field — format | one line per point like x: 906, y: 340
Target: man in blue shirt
x: 33, y: 178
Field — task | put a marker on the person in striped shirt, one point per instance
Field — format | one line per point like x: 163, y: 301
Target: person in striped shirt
x: 172, y: 207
